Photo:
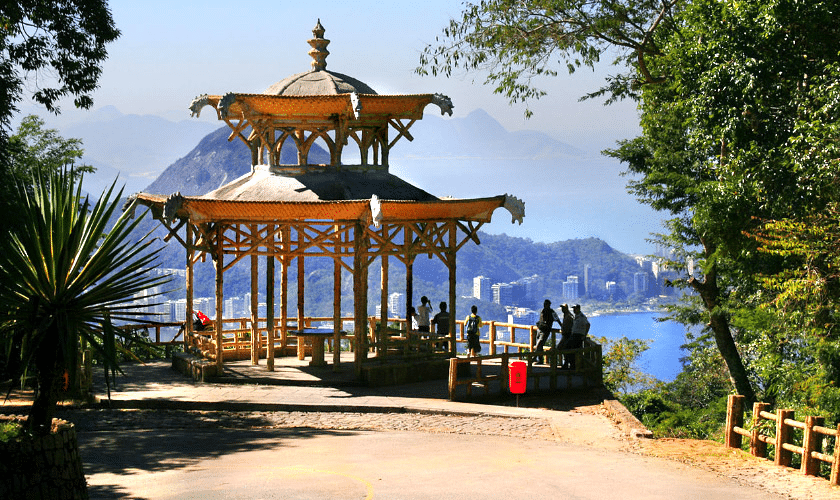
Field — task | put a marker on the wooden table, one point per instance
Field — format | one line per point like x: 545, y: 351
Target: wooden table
x: 318, y: 337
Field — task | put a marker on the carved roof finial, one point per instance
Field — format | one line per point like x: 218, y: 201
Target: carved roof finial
x: 319, y: 50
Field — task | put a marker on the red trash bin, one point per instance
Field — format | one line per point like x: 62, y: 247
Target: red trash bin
x: 518, y: 377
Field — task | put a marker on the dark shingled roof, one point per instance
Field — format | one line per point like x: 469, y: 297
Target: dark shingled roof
x: 264, y: 185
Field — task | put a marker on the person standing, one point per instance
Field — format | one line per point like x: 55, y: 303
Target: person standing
x: 547, y: 318
x: 423, y: 314
x: 565, y: 333
x: 441, y: 322
x: 472, y: 323
x: 580, y: 328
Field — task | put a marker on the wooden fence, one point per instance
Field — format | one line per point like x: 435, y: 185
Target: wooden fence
x: 587, y: 367
x: 814, y: 435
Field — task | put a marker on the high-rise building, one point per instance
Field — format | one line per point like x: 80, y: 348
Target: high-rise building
x: 396, y: 304
x: 502, y: 293
x: 640, y: 283
x: 481, y: 288
x: 587, y: 275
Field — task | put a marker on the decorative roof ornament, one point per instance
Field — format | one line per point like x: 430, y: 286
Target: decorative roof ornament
x: 319, y: 50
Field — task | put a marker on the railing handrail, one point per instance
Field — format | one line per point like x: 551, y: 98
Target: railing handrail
x: 812, y: 428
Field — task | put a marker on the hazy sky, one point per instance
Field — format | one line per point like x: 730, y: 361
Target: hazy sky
x: 171, y: 51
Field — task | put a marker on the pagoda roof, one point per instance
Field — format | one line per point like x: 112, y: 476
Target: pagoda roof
x: 204, y: 210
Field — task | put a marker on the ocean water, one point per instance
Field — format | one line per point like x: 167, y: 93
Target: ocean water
x: 662, y: 359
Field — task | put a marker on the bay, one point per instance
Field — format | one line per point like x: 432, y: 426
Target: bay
x: 662, y: 359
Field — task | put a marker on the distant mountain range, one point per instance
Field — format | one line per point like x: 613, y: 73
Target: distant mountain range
x: 568, y: 192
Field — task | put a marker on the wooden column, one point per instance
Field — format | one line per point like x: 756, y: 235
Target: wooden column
x: 269, y: 302
x: 451, y: 254
x: 301, y: 289
x: 284, y: 288
x: 255, y: 302
x: 337, y: 300
x: 409, y: 276
x: 360, y: 295
x: 188, y: 326
x: 220, y: 299
x: 383, y: 306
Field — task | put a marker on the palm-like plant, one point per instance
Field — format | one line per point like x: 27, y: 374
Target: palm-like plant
x: 64, y: 276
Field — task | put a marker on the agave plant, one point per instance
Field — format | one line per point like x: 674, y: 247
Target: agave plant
x: 65, y: 275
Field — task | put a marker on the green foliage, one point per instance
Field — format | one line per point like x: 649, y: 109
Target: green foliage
x: 619, y: 361
x: 64, y: 277
x: 516, y: 43
x: 10, y: 431
x: 35, y: 151
x: 693, y: 405
x: 59, y: 44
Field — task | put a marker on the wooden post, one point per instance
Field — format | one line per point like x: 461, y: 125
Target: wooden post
x: 220, y: 271
x: 734, y: 418
x: 301, y: 291
x: 453, y: 377
x: 360, y: 295
x: 783, y: 433
x: 269, y: 306
x: 383, y: 305
x: 255, y: 302
x: 452, y: 264
x: 188, y: 326
x: 284, y: 288
x: 834, y: 478
x: 758, y: 448
x: 811, y: 442
x: 492, y: 333
x: 337, y: 301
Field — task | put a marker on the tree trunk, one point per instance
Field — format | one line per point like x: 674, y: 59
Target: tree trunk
x: 719, y: 323
x: 49, y: 383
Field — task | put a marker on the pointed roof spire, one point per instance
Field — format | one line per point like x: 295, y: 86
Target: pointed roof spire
x: 319, y: 50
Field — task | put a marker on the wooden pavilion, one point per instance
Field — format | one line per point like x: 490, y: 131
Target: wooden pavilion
x: 351, y: 213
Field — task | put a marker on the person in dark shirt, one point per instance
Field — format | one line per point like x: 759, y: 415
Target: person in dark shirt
x: 441, y: 322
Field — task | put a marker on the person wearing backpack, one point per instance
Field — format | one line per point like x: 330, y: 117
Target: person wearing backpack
x: 547, y: 318
x: 472, y: 323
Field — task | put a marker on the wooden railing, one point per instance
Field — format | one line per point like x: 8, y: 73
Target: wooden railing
x: 813, y: 435
x: 236, y: 340
x: 153, y: 330
x: 587, y: 367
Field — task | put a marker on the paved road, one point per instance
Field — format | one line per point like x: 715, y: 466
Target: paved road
x: 176, y: 439
x: 346, y: 464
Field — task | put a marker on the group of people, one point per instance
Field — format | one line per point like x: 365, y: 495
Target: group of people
x: 422, y: 320
x: 573, y: 329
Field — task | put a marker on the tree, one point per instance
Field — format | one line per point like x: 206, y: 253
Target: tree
x: 63, y: 39
x: 35, y: 151
x: 65, y: 276
x: 723, y: 88
x: 514, y: 41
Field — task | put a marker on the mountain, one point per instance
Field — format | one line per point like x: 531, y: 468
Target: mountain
x: 134, y: 149
x: 478, y: 136
x: 215, y: 161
